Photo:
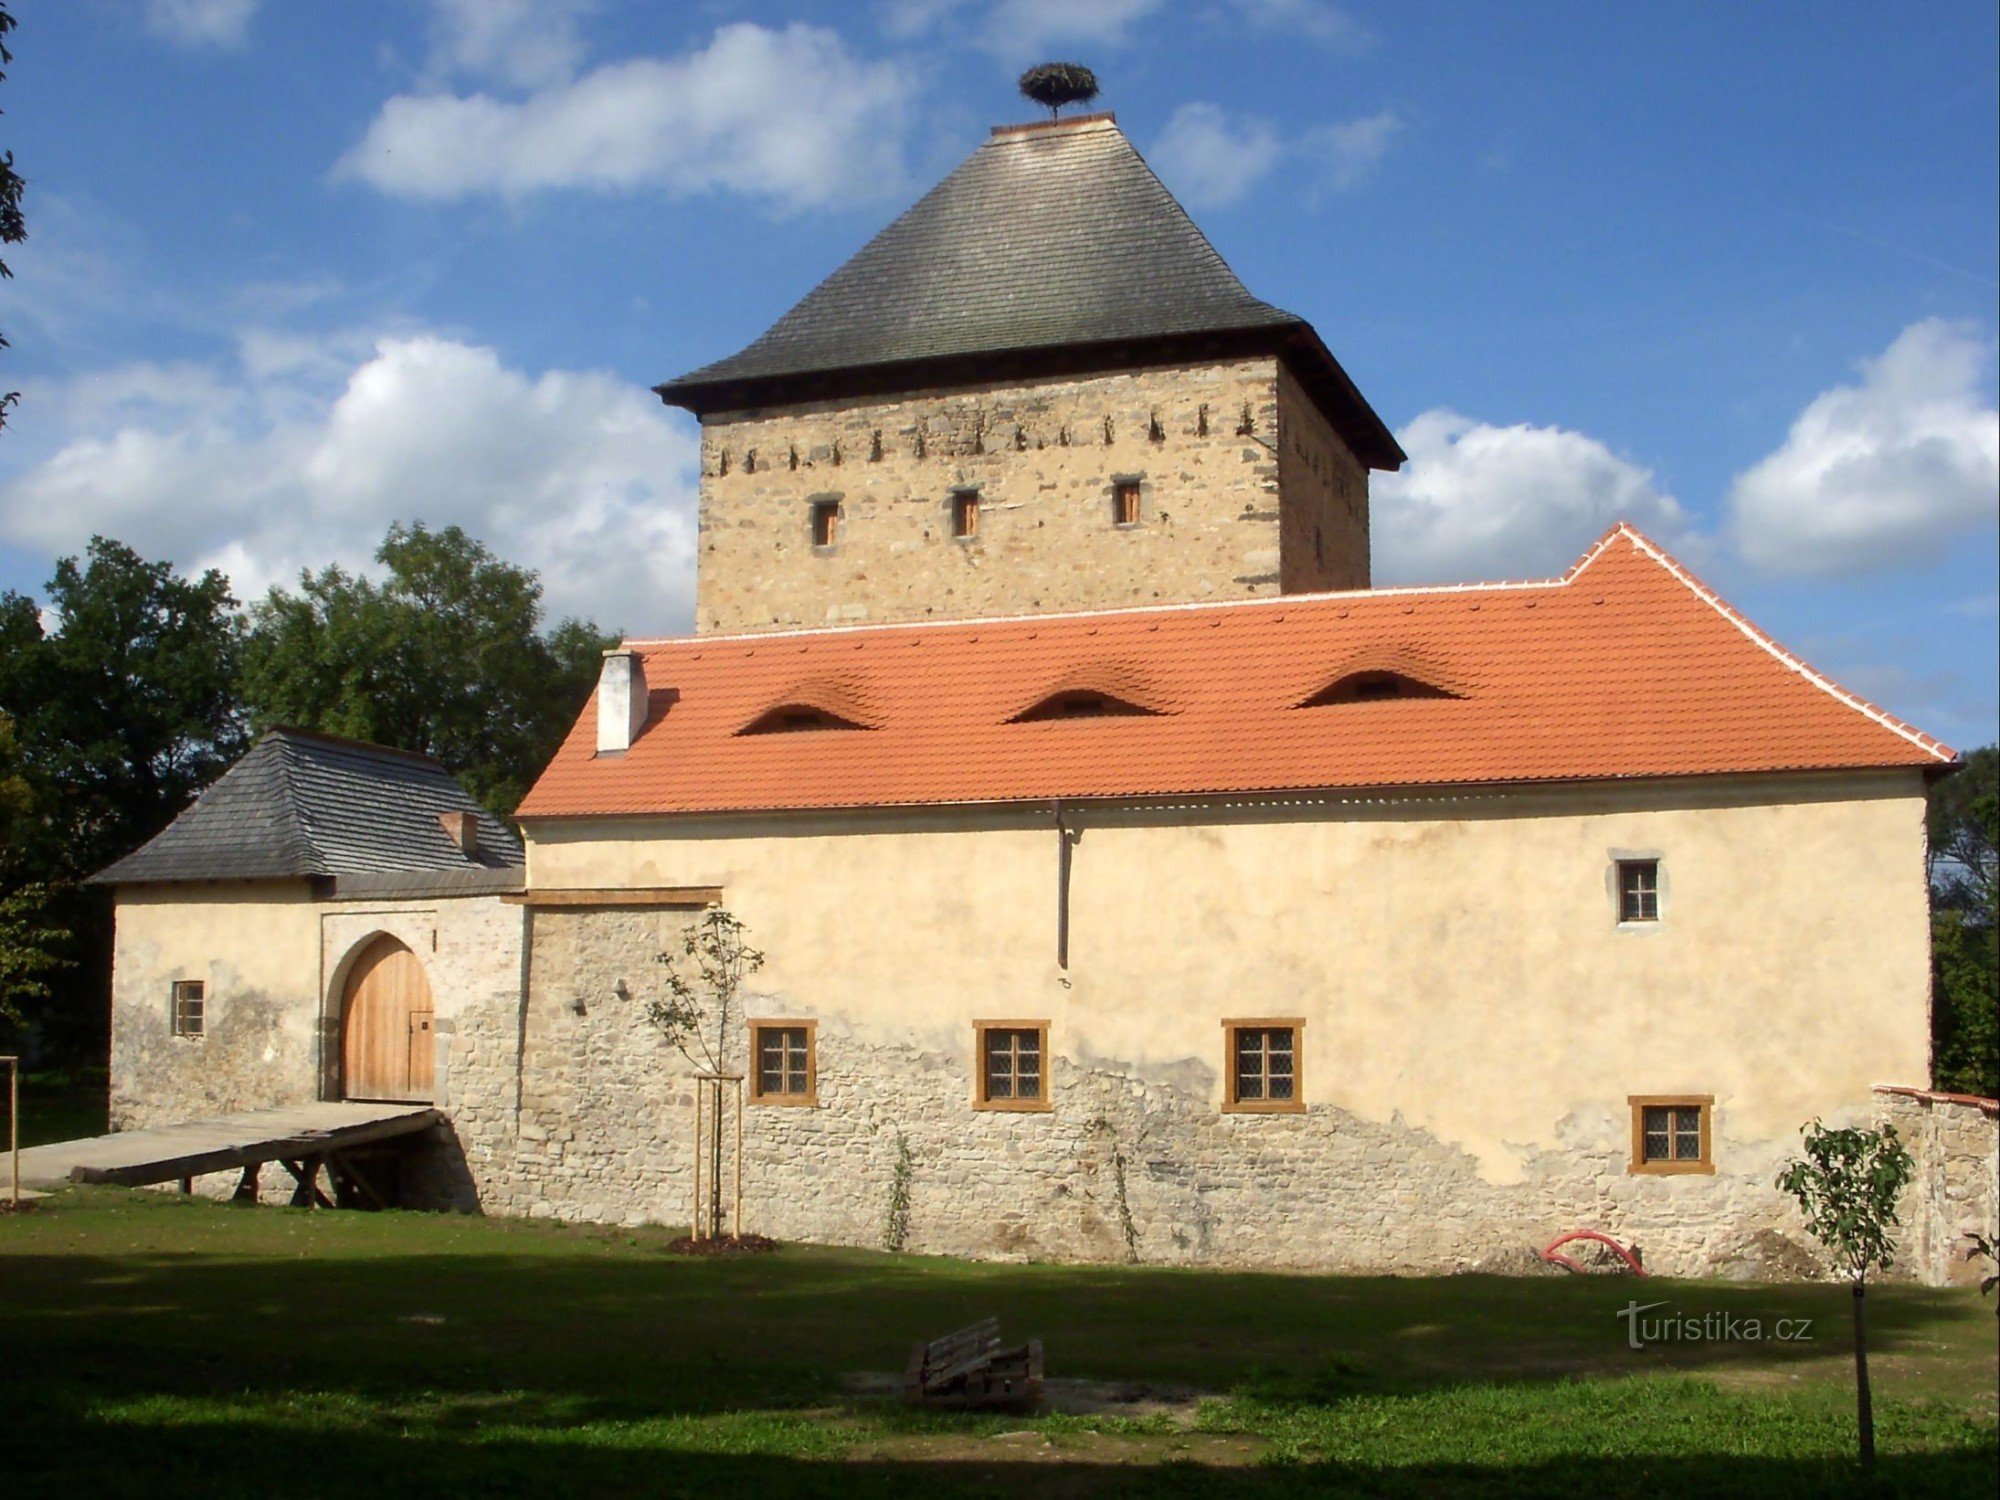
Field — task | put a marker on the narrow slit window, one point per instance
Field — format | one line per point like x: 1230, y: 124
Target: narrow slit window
x: 965, y: 514
x: 1013, y: 1058
x: 1263, y: 1066
x: 784, y: 1067
x: 1125, y: 502
x: 190, y: 1000
x: 1638, y: 890
x: 1671, y: 1133
x: 825, y: 522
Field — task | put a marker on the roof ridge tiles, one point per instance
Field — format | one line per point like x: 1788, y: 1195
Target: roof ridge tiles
x: 1789, y: 659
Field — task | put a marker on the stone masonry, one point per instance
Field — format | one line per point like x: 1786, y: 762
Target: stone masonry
x: 1245, y: 491
x: 1128, y: 1165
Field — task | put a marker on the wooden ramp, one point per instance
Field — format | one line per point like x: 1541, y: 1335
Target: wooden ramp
x: 304, y: 1137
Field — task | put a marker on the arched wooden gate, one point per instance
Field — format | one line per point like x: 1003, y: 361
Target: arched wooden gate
x: 387, y: 1048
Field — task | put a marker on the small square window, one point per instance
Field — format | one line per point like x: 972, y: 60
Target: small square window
x: 825, y: 522
x: 1262, y: 1066
x: 965, y: 515
x: 1125, y: 502
x: 784, y: 1065
x: 189, y: 999
x: 1638, y: 890
x: 1013, y: 1064
x: 1670, y: 1133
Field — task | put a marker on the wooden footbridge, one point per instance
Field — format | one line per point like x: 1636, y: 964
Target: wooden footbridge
x: 306, y: 1139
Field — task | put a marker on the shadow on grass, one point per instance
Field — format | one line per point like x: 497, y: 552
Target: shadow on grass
x: 161, y: 1346
x: 223, y: 1462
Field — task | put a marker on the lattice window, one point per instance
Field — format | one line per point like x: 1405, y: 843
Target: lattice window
x: 1263, y: 1065
x: 1671, y: 1133
x: 190, y: 1001
x: 1013, y: 1059
x: 783, y: 1065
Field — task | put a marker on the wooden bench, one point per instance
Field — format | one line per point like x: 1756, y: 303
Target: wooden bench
x: 973, y: 1369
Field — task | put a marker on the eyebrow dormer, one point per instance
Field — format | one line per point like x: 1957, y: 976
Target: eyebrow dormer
x: 1383, y: 671
x: 1375, y: 686
x: 1095, y: 690
x: 817, y: 705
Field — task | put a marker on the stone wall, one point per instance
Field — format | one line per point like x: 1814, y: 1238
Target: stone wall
x: 1475, y: 1020
x: 1323, y: 542
x: 1956, y: 1142
x: 1203, y: 442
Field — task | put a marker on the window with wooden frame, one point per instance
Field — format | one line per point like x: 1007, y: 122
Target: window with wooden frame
x: 190, y: 1000
x: 1125, y: 502
x: 1013, y: 1064
x: 965, y: 514
x: 1638, y: 890
x: 784, y: 1062
x: 1671, y: 1132
x: 825, y: 523
x: 1261, y: 1063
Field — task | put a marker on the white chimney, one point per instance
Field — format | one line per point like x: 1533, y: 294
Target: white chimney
x: 621, y: 701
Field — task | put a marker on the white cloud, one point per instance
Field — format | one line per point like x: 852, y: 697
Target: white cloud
x: 788, y: 116
x: 1019, y: 28
x: 1315, y: 20
x: 529, y: 43
x: 1212, y: 159
x: 1893, y: 471
x: 201, y: 23
x: 302, y: 454
x: 1477, y: 501
x: 1347, y: 155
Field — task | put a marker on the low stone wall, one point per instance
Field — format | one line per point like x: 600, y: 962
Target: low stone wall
x: 1955, y: 1139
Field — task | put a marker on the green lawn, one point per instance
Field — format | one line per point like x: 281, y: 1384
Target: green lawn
x: 158, y: 1345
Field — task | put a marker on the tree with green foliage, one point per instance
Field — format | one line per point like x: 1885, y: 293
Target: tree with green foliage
x: 13, y: 226
x: 30, y: 948
x: 1965, y: 927
x: 1847, y: 1185
x: 445, y: 656
x: 122, y: 708
x: 126, y: 708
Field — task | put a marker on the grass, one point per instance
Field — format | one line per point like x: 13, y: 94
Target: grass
x: 159, y: 1345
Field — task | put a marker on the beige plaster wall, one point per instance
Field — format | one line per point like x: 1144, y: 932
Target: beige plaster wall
x: 275, y: 960
x: 255, y: 946
x: 1202, y: 441
x: 1475, y: 1018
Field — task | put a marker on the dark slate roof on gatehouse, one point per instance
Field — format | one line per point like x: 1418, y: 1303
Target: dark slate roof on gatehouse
x: 304, y: 805
x: 1050, y: 237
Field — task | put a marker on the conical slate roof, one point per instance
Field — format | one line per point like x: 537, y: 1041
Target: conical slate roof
x: 1050, y: 237
x: 305, y: 805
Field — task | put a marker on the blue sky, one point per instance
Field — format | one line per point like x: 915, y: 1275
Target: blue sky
x: 1729, y: 272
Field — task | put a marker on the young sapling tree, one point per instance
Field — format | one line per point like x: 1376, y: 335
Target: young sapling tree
x: 1847, y: 1184
x: 699, y: 1015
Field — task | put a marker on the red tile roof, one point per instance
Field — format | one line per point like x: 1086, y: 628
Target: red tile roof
x: 1626, y: 666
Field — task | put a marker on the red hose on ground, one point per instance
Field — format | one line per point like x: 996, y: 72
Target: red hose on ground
x: 1553, y: 1258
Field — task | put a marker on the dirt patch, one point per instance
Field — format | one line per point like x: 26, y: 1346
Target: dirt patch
x: 1214, y: 1449
x: 1131, y: 1400
x: 722, y: 1244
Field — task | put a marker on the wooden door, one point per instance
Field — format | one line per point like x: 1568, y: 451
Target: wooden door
x: 386, y: 1018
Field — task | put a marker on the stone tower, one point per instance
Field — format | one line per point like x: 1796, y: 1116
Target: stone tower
x: 1039, y: 389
